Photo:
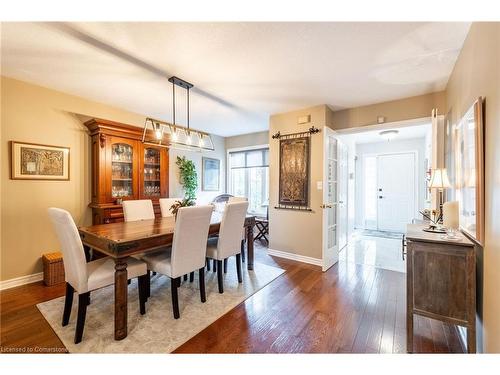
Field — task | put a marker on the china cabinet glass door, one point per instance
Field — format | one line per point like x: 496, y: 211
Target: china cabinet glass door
x: 121, y: 170
x: 152, y: 186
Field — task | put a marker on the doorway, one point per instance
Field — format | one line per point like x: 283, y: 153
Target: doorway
x: 395, y: 193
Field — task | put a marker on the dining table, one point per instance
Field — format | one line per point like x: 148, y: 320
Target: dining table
x: 124, y: 239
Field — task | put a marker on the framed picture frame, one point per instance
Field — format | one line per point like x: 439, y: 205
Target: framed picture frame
x: 469, y: 170
x: 294, y: 172
x: 210, y: 174
x: 33, y: 161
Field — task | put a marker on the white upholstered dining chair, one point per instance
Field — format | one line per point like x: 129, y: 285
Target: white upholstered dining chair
x: 165, y: 204
x: 187, y: 253
x: 228, y: 242
x: 243, y: 236
x: 84, y: 277
x: 135, y: 210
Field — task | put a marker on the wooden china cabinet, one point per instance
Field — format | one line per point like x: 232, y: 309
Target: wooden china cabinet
x: 124, y: 168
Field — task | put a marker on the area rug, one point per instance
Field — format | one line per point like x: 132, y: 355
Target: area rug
x: 157, y: 331
x: 382, y: 234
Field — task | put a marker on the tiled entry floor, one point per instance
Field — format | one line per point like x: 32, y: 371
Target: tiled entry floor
x: 374, y: 251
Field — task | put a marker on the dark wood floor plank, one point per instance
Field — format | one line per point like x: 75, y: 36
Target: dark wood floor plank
x: 349, y: 308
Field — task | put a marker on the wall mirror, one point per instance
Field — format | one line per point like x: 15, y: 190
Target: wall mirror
x: 464, y: 157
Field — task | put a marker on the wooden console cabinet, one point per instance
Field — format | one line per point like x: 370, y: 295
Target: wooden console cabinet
x: 124, y: 168
x: 440, y: 281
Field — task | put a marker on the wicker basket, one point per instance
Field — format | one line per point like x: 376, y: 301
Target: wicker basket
x: 53, y: 268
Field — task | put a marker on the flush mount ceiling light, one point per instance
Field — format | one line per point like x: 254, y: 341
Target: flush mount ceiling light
x: 389, y: 135
x: 171, y: 135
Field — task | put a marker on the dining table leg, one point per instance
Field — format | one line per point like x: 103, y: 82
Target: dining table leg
x: 250, y: 245
x: 121, y: 298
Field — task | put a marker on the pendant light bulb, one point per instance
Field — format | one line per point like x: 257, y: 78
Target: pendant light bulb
x: 158, y: 132
x: 174, y: 135
x: 188, y: 140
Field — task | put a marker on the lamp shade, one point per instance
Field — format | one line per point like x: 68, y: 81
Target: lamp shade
x: 439, y: 179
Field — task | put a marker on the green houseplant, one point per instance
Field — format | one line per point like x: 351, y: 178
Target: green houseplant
x: 186, y: 202
x: 188, y: 176
x: 189, y: 181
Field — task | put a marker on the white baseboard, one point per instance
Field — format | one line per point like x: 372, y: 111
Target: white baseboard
x: 18, y: 281
x: 296, y: 257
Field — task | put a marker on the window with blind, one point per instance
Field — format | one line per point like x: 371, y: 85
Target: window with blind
x: 249, y: 177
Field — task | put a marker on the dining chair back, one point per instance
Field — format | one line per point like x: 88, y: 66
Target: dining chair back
x: 135, y: 210
x: 190, y: 239
x: 75, y: 265
x: 165, y: 204
x: 237, y: 199
x: 231, y: 226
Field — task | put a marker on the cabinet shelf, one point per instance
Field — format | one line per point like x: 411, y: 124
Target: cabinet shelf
x: 121, y: 161
x: 121, y: 179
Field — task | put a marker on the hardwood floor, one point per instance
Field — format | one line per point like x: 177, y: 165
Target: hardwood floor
x: 351, y: 308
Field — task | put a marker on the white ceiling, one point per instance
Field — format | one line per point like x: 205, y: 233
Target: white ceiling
x: 404, y: 132
x: 242, y: 72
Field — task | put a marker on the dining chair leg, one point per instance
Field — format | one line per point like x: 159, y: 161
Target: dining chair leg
x: 175, y: 296
x: 88, y: 299
x: 68, y: 303
x: 191, y: 277
x: 219, y: 276
x: 185, y: 277
x: 82, y: 312
x: 238, y: 267
x: 225, y: 265
x: 142, y: 282
x: 215, y: 265
x: 154, y: 273
x: 201, y: 276
x: 148, y: 285
x: 243, y: 250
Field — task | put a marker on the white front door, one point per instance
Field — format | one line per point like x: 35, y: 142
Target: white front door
x: 343, y: 218
x: 396, y: 191
x: 330, y: 199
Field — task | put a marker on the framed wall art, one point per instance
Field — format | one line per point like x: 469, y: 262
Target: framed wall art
x: 294, y: 172
x: 31, y: 161
x: 210, y: 174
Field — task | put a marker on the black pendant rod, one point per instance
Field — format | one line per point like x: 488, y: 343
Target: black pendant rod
x: 173, y: 102
x: 188, y: 108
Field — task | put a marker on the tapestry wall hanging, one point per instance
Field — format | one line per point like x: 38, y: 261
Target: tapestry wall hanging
x: 294, y: 172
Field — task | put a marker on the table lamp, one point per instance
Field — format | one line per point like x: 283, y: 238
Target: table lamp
x: 439, y: 181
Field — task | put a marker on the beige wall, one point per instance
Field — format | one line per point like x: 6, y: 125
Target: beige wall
x: 35, y: 114
x: 476, y: 73
x: 396, y: 110
x: 247, y: 140
x: 297, y: 232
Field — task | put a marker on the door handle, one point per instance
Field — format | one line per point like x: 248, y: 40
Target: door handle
x: 326, y: 206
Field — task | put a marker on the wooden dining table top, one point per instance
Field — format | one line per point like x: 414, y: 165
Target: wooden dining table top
x: 129, y: 238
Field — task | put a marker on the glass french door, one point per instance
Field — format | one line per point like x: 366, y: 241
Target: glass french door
x: 330, y: 199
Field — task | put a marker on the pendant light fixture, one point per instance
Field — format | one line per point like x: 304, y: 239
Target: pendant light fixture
x: 171, y: 135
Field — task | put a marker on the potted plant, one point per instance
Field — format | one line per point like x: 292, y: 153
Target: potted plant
x: 189, y: 181
x: 186, y: 202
